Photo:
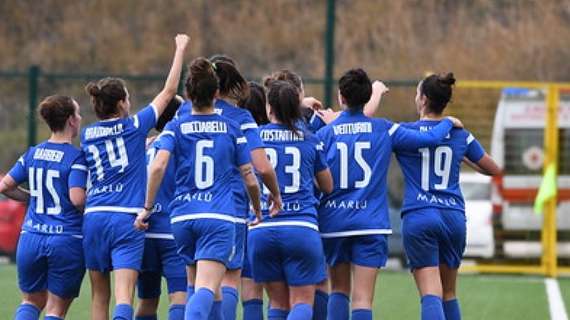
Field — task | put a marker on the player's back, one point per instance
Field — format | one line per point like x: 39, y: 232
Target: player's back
x: 296, y: 158
x: 432, y: 173
x: 115, y: 150
x: 49, y: 167
x: 205, y: 149
x: 358, y: 152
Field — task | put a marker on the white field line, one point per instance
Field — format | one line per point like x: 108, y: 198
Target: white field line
x: 555, y: 303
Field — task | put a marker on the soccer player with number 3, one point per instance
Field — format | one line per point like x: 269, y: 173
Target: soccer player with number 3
x: 115, y: 149
x: 433, y: 212
x: 353, y: 219
x: 50, y: 252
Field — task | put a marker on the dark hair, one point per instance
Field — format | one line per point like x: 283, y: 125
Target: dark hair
x: 220, y: 57
x: 231, y: 83
x: 256, y: 102
x: 283, y: 98
x: 285, y: 75
x: 356, y: 88
x: 105, y: 96
x: 168, y: 113
x: 55, y: 110
x: 438, y: 90
x: 202, y: 83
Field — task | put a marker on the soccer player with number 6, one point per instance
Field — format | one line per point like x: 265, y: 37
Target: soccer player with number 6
x: 115, y: 149
x: 433, y: 212
x: 207, y: 148
x: 353, y: 219
x: 50, y: 252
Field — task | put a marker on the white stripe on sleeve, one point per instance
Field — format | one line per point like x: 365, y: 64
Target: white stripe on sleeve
x: 470, y: 139
x: 241, y: 140
x: 79, y: 167
x: 393, y: 129
x: 249, y: 125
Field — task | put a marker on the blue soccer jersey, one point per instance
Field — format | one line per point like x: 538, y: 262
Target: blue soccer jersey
x: 358, y: 150
x: 296, y: 158
x: 51, y: 169
x: 207, y: 150
x: 159, y: 221
x: 115, y: 150
x: 432, y: 173
x: 250, y: 130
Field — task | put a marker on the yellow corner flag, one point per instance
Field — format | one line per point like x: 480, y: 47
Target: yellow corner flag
x: 548, y: 189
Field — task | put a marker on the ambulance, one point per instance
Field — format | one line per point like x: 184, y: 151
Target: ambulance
x: 518, y: 147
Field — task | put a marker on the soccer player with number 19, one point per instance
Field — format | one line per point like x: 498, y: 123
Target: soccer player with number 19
x: 433, y: 212
x: 115, y: 149
x: 353, y: 219
x: 50, y: 252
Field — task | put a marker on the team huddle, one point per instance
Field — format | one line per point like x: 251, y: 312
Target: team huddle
x: 247, y: 189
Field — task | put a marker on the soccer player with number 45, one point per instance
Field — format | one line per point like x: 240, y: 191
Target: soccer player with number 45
x: 353, y: 219
x: 433, y: 212
x: 114, y: 149
x: 50, y: 252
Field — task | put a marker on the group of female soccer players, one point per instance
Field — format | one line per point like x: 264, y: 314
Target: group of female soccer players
x: 247, y: 186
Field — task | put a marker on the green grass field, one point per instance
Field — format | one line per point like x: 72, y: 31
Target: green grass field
x: 481, y: 297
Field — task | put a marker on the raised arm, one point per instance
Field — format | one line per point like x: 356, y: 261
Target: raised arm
x: 171, y: 85
x: 252, y: 190
x: 379, y: 89
x: 155, y: 176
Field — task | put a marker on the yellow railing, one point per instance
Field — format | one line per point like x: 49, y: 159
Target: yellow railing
x: 548, y: 262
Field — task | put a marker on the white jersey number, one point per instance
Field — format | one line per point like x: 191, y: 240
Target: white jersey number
x: 442, y: 166
x: 358, y: 149
x: 204, y: 165
x: 36, y: 181
x: 292, y: 169
x: 122, y: 160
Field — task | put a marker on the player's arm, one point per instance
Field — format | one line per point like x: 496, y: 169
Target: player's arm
x: 324, y: 181
x: 379, y: 89
x: 77, y: 198
x: 155, y: 176
x: 252, y: 187
x: 478, y: 159
x: 411, y: 139
x: 171, y: 85
x: 9, y: 188
x: 265, y: 170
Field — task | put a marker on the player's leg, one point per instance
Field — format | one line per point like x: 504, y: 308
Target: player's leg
x: 32, y: 276
x: 337, y: 253
x: 100, y: 294
x: 148, y: 291
x: 419, y: 231
x: 267, y: 268
x: 174, y: 270
x: 126, y: 257
x: 321, y: 297
x: 214, y: 242
x: 252, y: 299
x: 232, y: 278
x: 251, y: 292
x: 369, y: 253
x: 279, y: 303
x: 149, y: 281
x: 303, y: 268
x: 452, y: 247
x: 97, y: 238
x: 66, y: 269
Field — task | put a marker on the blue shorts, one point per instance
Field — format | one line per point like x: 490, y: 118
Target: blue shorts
x: 111, y: 242
x: 290, y: 254
x: 161, y: 260
x: 240, y: 238
x: 52, y: 262
x: 205, y: 239
x: 433, y: 237
x: 366, y: 250
x: 246, y: 270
